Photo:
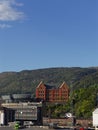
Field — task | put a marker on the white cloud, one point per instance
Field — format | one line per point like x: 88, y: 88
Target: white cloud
x: 9, y: 11
x: 2, y: 26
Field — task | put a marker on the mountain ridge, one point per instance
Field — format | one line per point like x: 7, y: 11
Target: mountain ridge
x: 26, y: 81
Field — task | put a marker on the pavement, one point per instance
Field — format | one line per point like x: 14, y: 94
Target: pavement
x: 29, y: 128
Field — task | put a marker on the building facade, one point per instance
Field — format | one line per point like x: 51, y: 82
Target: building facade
x: 6, y: 115
x: 51, y: 94
x: 25, y: 112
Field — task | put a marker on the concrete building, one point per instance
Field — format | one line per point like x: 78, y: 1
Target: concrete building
x: 24, y: 110
x: 6, y: 115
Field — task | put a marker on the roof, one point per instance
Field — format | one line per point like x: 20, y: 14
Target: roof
x: 49, y: 87
x: 95, y: 111
x: 5, y: 108
x: 40, y: 84
x: 63, y: 85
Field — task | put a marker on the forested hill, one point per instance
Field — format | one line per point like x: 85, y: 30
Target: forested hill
x: 26, y: 81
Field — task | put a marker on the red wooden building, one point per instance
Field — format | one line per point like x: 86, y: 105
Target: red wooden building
x: 52, y: 94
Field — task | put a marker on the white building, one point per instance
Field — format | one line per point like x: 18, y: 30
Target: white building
x: 95, y: 118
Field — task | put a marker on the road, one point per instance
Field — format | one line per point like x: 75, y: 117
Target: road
x: 31, y: 128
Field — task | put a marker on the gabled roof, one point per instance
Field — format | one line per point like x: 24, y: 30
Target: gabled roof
x: 63, y: 85
x: 95, y: 111
x: 47, y: 86
x: 52, y: 87
x: 40, y: 84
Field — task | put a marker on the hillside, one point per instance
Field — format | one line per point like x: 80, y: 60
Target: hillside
x: 27, y: 80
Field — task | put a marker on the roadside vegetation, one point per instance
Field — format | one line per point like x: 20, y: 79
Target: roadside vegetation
x: 81, y: 104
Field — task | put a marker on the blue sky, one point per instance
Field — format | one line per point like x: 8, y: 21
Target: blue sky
x: 38, y: 34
